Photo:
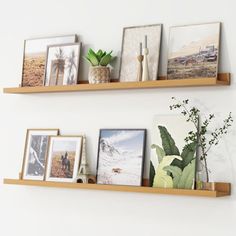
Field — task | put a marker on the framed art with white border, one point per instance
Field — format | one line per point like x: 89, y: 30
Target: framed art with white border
x: 35, y: 152
x: 63, y: 158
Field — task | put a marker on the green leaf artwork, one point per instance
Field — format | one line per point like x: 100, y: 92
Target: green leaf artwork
x: 173, y: 170
x: 162, y: 179
x: 188, y: 153
x: 159, y: 151
x: 168, y: 142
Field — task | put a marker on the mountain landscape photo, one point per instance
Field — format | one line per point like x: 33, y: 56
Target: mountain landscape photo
x: 120, y: 157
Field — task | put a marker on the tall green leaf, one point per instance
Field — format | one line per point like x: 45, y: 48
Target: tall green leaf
x: 105, y: 60
x: 152, y: 174
x: 187, y: 178
x: 169, y: 146
x: 188, y: 153
x: 168, y: 142
x: 159, y: 152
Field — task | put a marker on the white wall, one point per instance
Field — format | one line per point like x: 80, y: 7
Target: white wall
x: 39, y: 211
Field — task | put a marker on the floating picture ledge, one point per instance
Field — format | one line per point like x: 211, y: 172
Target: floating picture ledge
x: 162, y: 82
x: 222, y: 189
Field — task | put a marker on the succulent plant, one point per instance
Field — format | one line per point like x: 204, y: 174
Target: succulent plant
x: 101, y: 58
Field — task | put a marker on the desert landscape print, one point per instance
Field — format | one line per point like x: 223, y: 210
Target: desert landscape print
x: 35, y: 58
x: 193, y: 51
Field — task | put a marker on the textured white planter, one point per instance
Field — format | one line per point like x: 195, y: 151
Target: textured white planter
x: 99, y: 74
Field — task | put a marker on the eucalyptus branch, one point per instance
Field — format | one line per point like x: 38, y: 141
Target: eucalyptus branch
x: 200, y: 135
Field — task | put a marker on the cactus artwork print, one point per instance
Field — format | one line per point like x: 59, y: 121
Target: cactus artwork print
x: 173, y: 160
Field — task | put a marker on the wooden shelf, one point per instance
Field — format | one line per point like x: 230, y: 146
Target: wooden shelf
x: 223, y: 79
x: 223, y: 189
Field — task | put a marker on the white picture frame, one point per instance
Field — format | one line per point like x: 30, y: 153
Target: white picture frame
x: 63, y: 158
x: 62, y: 64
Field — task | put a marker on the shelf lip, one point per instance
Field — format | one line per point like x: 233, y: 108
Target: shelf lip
x: 183, y: 192
x: 223, y: 79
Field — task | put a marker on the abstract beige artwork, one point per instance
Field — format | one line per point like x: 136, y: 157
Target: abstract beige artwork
x: 132, y: 37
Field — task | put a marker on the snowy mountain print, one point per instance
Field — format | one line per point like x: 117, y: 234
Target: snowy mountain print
x: 121, y: 155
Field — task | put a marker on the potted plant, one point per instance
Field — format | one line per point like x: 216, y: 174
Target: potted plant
x: 99, y: 72
x: 203, y: 136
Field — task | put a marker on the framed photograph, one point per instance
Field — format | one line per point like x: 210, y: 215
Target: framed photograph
x: 132, y: 37
x: 36, y: 145
x: 35, y: 51
x: 121, y: 156
x: 173, y: 160
x: 194, y: 51
x: 62, y: 64
x: 63, y: 158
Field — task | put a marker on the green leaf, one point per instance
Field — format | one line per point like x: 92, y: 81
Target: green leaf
x: 162, y: 179
x: 188, y: 175
x: 188, y: 153
x: 176, y: 173
x: 93, y: 57
x: 87, y: 58
x: 168, y: 142
x: 105, y: 60
x: 152, y: 174
x: 159, y: 151
x: 169, y: 146
x: 99, y: 54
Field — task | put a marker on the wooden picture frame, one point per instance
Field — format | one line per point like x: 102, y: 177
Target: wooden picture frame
x: 38, y: 153
x: 105, y: 176
x: 191, y: 58
x: 63, y: 63
x: 63, y: 159
x: 34, y: 58
x: 129, y: 62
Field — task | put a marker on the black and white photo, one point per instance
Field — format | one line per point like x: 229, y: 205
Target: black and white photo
x: 35, y: 153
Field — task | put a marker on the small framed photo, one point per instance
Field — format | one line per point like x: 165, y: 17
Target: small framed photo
x: 35, y: 52
x: 36, y: 145
x: 121, y: 156
x: 62, y: 64
x: 63, y: 158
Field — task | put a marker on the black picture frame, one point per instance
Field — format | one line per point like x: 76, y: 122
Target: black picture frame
x: 143, y: 151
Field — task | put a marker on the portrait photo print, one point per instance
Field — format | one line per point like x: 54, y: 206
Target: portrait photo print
x: 121, y: 156
x: 35, y: 153
x: 62, y: 64
x: 63, y: 158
